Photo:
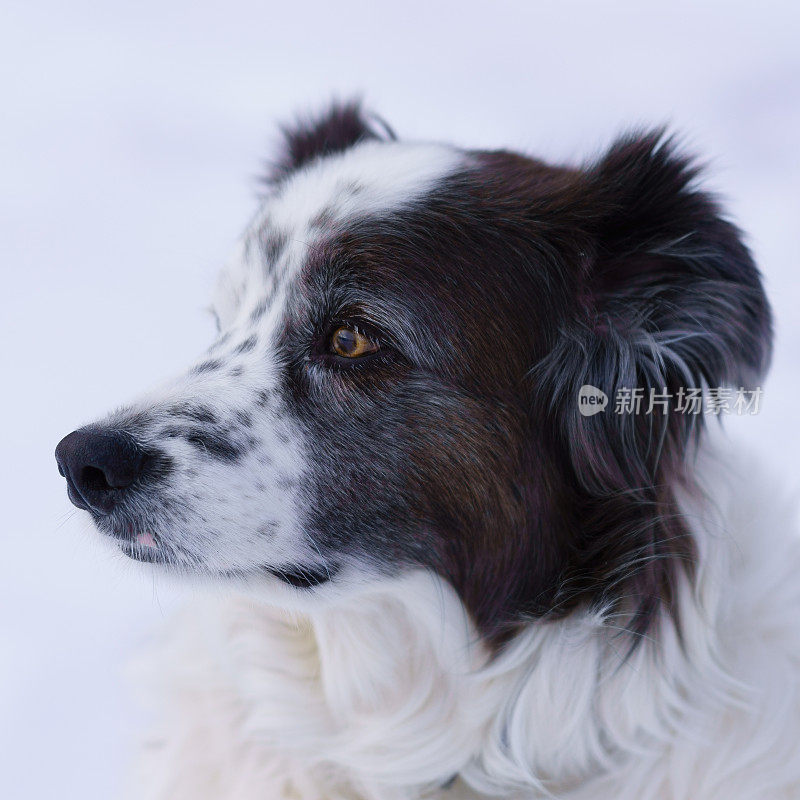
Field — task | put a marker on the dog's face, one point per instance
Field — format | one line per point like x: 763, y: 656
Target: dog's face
x: 402, y: 334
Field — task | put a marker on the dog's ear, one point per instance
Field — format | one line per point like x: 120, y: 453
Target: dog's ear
x: 667, y: 298
x: 338, y: 128
x: 668, y: 295
x: 669, y: 272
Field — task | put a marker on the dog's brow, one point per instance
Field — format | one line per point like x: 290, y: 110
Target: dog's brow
x: 310, y: 206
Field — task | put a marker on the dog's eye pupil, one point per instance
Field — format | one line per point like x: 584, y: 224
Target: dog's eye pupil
x: 350, y: 343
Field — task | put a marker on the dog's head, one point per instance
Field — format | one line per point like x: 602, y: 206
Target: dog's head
x: 403, y: 334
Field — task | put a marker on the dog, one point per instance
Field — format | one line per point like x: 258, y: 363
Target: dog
x: 427, y: 569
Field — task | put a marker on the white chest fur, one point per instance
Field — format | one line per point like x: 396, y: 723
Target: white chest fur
x: 389, y: 694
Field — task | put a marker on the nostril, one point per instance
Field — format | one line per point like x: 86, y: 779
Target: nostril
x: 94, y: 480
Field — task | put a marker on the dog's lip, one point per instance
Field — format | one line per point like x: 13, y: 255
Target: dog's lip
x: 139, y: 545
x: 145, y: 540
x: 149, y: 553
x: 145, y: 547
x: 304, y: 577
x: 130, y: 534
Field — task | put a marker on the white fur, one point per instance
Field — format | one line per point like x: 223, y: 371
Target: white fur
x: 385, y: 691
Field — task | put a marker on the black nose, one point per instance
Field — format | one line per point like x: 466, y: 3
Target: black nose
x: 99, y: 466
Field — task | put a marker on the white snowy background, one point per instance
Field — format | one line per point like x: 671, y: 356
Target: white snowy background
x: 130, y: 137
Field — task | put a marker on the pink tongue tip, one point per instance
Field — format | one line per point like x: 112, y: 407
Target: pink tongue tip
x: 145, y: 539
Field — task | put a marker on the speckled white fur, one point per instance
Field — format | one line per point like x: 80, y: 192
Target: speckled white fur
x: 242, y: 514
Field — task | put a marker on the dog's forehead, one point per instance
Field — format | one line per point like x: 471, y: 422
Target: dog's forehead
x: 369, y: 180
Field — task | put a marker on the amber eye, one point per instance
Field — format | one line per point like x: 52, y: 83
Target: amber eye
x: 350, y: 343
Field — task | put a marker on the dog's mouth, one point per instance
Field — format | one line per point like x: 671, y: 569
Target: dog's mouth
x: 149, y: 548
x: 149, y: 553
x: 146, y: 548
x: 304, y: 577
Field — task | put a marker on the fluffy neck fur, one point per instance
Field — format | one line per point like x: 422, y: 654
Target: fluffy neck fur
x: 391, y: 695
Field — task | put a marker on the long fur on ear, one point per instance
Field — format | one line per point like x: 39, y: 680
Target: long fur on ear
x: 339, y: 127
x: 668, y: 297
x: 668, y: 264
